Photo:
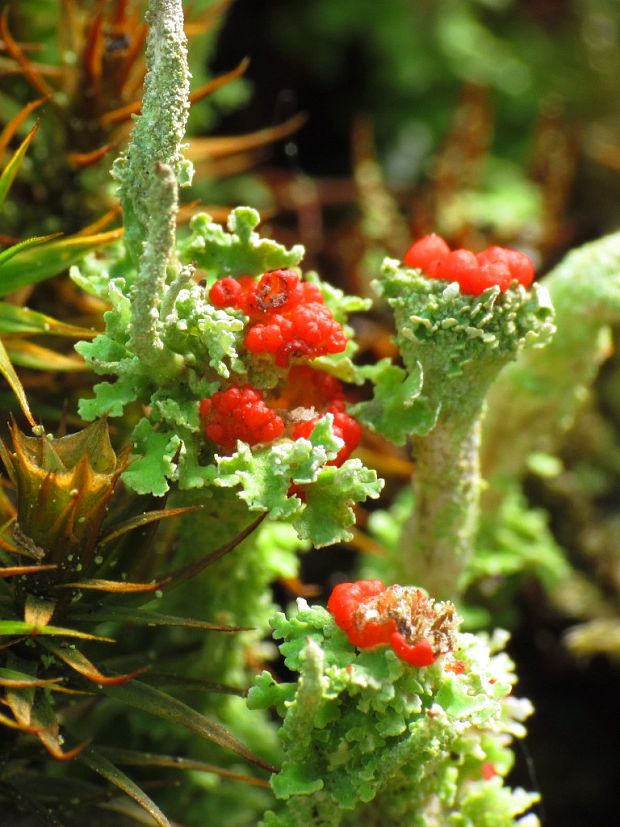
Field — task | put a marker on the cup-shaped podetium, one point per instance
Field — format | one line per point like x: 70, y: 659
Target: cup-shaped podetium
x: 62, y: 487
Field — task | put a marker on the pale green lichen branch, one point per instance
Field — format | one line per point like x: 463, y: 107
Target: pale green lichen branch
x: 150, y: 173
x: 536, y: 398
x: 155, y: 263
x: 159, y: 130
x: 437, y: 542
x: 295, y: 733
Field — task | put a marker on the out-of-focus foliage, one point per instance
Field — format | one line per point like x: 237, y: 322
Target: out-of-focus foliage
x: 83, y: 61
x: 486, y: 113
x: 413, y: 57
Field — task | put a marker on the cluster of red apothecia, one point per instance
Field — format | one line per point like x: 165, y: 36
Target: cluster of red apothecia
x: 474, y: 273
x: 416, y: 627
x: 241, y: 412
x: 289, y: 320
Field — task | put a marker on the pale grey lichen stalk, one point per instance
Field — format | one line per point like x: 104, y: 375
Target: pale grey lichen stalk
x: 152, y: 169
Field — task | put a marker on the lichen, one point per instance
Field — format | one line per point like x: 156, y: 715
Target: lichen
x: 368, y: 739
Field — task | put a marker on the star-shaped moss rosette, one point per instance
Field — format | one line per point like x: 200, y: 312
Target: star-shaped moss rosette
x: 454, y: 335
x: 63, y: 572
x: 369, y: 739
x: 63, y: 491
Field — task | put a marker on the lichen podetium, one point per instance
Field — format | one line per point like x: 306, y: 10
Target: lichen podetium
x: 453, y: 345
x: 150, y: 173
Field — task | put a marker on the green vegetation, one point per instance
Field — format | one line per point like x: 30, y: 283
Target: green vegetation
x: 212, y: 423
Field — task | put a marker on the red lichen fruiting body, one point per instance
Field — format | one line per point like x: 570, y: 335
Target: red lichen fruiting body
x: 307, y: 387
x: 225, y: 292
x: 460, y: 266
x: 288, y: 318
x: 416, y: 654
x: 488, y: 771
x: 239, y: 413
x: 425, y: 251
x: 518, y: 264
x: 473, y: 273
x: 346, y: 598
x: 345, y: 427
x: 278, y: 290
x: 344, y: 603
